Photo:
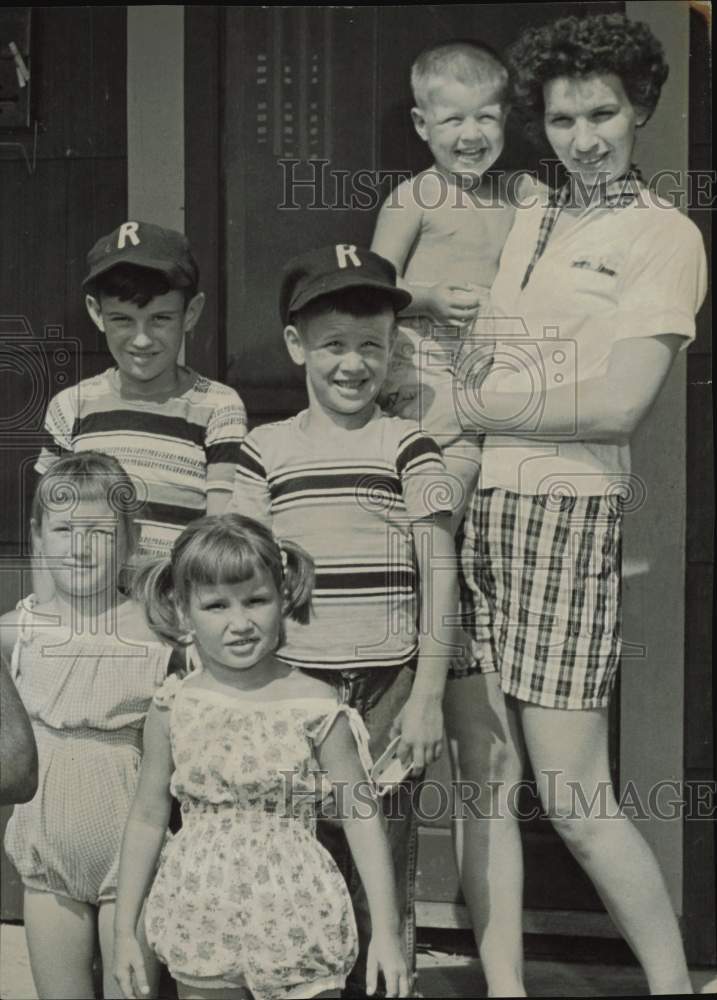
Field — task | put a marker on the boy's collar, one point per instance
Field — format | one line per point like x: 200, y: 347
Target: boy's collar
x: 328, y: 425
x: 184, y: 378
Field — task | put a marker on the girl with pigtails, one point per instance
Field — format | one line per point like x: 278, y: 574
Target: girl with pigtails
x: 245, y: 901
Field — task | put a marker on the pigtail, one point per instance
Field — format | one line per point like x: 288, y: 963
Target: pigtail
x: 298, y: 581
x: 153, y: 588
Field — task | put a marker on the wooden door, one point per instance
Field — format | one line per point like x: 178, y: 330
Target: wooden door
x: 51, y: 217
x: 316, y: 130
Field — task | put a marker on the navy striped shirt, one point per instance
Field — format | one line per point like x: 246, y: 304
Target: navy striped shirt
x: 175, y: 448
x: 350, y: 499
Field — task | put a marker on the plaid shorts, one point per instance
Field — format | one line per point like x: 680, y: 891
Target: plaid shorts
x: 541, y: 594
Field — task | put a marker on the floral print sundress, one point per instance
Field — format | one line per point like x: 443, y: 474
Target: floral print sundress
x: 245, y: 895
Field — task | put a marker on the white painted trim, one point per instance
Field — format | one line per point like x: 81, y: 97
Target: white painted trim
x: 155, y: 116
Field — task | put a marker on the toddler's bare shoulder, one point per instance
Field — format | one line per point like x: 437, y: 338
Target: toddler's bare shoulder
x: 422, y: 192
x: 524, y: 189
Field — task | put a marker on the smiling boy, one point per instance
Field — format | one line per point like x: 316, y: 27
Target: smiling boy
x: 176, y: 433
x: 444, y: 230
x: 364, y: 494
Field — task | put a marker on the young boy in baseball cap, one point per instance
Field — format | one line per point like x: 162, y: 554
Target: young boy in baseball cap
x: 365, y: 494
x: 176, y: 432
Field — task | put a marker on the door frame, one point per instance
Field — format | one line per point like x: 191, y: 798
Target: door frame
x: 203, y: 74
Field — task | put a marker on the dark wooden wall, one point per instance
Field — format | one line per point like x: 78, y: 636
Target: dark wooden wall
x: 50, y: 219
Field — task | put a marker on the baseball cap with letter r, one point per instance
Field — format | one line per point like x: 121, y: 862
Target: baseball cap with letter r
x: 145, y: 245
x: 331, y: 269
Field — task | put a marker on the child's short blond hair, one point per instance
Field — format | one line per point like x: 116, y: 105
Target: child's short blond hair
x: 461, y: 59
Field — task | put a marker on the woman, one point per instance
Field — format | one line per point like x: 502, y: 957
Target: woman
x: 620, y: 276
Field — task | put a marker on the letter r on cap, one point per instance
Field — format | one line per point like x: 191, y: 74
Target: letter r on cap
x: 128, y: 231
x: 346, y: 252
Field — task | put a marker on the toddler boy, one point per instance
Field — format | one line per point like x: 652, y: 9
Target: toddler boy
x: 444, y: 233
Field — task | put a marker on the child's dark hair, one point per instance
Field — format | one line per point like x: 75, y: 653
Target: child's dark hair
x: 133, y: 283
x: 358, y: 302
x: 221, y: 549
x: 89, y: 475
x: 579, y: 47
x: 466, y: 60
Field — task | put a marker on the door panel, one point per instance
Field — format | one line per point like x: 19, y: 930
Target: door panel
x: 287, y: 99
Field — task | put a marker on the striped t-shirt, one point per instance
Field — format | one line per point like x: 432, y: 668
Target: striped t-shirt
x: 349, y: 498
x: 175, y: 448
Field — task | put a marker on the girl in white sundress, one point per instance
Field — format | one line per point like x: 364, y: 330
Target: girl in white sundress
x: 246, y: 902
x: 86, y: 667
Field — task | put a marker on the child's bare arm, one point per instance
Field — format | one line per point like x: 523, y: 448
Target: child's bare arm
x: 420, y: 722
x: 359, y: 811
x: 141, y: 845
x: 398, y: 227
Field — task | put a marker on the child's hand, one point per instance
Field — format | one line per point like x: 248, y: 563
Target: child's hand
x: 453, y: 305
x: 385, y: 954
x: 420, y: 726
x: 128, y: 968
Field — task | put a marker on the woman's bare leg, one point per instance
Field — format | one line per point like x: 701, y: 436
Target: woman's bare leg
x: 569, y: 754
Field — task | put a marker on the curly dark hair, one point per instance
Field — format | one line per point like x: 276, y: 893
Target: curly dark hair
x: 581, y: 46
